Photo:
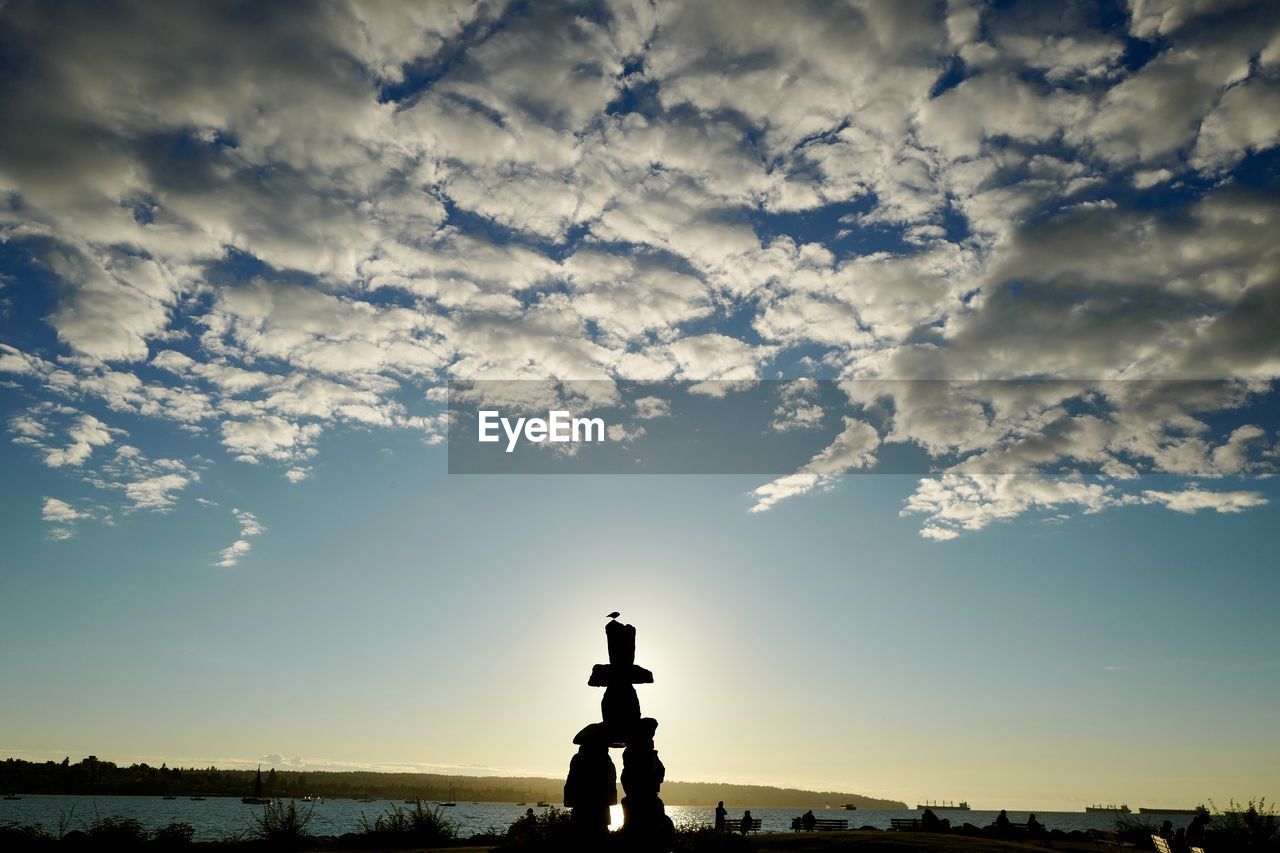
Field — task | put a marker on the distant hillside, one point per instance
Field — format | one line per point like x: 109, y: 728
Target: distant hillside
x: 91, y: 776
x: 709, y: 793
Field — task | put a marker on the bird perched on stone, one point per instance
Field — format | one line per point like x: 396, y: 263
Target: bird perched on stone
x: 614, y: 615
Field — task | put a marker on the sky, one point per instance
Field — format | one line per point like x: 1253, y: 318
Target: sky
x: 1030, y: 248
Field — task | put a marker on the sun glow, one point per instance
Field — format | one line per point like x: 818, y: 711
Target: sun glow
x: 615, y: 817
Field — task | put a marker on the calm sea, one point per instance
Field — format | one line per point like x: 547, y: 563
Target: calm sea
x: 218, y: 817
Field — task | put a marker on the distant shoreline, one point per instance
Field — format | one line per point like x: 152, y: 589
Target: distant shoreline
x: 92, y: 776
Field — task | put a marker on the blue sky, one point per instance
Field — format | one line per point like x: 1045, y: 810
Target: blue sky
x: 239, y: 265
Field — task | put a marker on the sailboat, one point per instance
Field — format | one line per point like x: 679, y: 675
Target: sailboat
x: 451, y: 802
x: 542, y: 803
x: 257, y: 799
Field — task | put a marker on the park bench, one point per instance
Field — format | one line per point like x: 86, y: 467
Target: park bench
x: 734, y: 824
x: 822, y: 824
x: 1022, y: 831
x: 904, y: 824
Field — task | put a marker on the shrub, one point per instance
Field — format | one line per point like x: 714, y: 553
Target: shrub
x: 551, y: 830
x: 1137, y: 829
x: 119, y: 833
x: 1250, y: 826
x: 707, y: 840
x: 14, y: 836
x: 283, y: 824
x: 418, y: 826
x: 178, y: 834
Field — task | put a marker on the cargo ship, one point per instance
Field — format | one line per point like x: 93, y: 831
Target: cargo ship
x: 961, y: 806
x: 1145, y: 810
x: 1110, y: 807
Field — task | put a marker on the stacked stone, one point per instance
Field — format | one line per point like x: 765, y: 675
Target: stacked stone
x: 590, y: 788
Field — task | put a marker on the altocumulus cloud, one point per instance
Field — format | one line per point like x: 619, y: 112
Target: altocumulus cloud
x: 261, y: 230
x: 249, y: 527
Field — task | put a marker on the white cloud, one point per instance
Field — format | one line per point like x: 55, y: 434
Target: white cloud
x: 271, y: 436
x: 249, y: 528
x: 648, y: 408
x: 853, y: 449
x: 84, y: 435
x: 900, y: 191
x: 1194, y: 500
x: 61, y: 512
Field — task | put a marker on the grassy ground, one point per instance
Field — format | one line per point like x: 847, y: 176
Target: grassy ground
x: 898, y: 842
x: 871, y: 842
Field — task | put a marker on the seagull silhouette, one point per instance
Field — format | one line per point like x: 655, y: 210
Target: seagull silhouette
x: 614, y: 615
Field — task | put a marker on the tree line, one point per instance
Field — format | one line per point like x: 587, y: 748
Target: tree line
x: 95, y: 776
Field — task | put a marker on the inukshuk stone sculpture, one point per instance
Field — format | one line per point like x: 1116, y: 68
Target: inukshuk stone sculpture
x: 590, y: 788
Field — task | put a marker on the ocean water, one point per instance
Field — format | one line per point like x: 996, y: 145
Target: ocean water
x: 218, y: 817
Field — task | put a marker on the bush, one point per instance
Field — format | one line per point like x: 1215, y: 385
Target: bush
x: 282, y: 824
x: 551, y: 830
x: 119, y: 833
x: 418, y: 826
x: 1137, y: 829
x: 1251, y: 826
x: 14, y: 836
x: 707, y: 840
x: 178, y: 834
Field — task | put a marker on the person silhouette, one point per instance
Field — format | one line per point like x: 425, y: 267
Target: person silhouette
x: 808, y: 821
x: 1036, y: 830
x: 746, y: 822
x: 721, y: 814
x: 1002, y: 822
x: 1194, y: 836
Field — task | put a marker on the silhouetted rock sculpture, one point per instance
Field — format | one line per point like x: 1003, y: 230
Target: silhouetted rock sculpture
x: 590, y: 788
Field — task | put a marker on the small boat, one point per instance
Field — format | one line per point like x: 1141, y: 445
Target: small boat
x: 1111, y: 808
x: 168, y: 797
x: 257, y: 799
x: 849, y: 807
x: 196, y: 799
x: 365, y: 800
x: 12, y: 796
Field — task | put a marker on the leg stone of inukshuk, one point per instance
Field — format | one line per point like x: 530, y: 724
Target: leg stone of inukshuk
x: 642, y: 776
x: 592, y: 784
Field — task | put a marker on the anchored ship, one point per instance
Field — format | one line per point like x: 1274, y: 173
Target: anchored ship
x: 961, y: 806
